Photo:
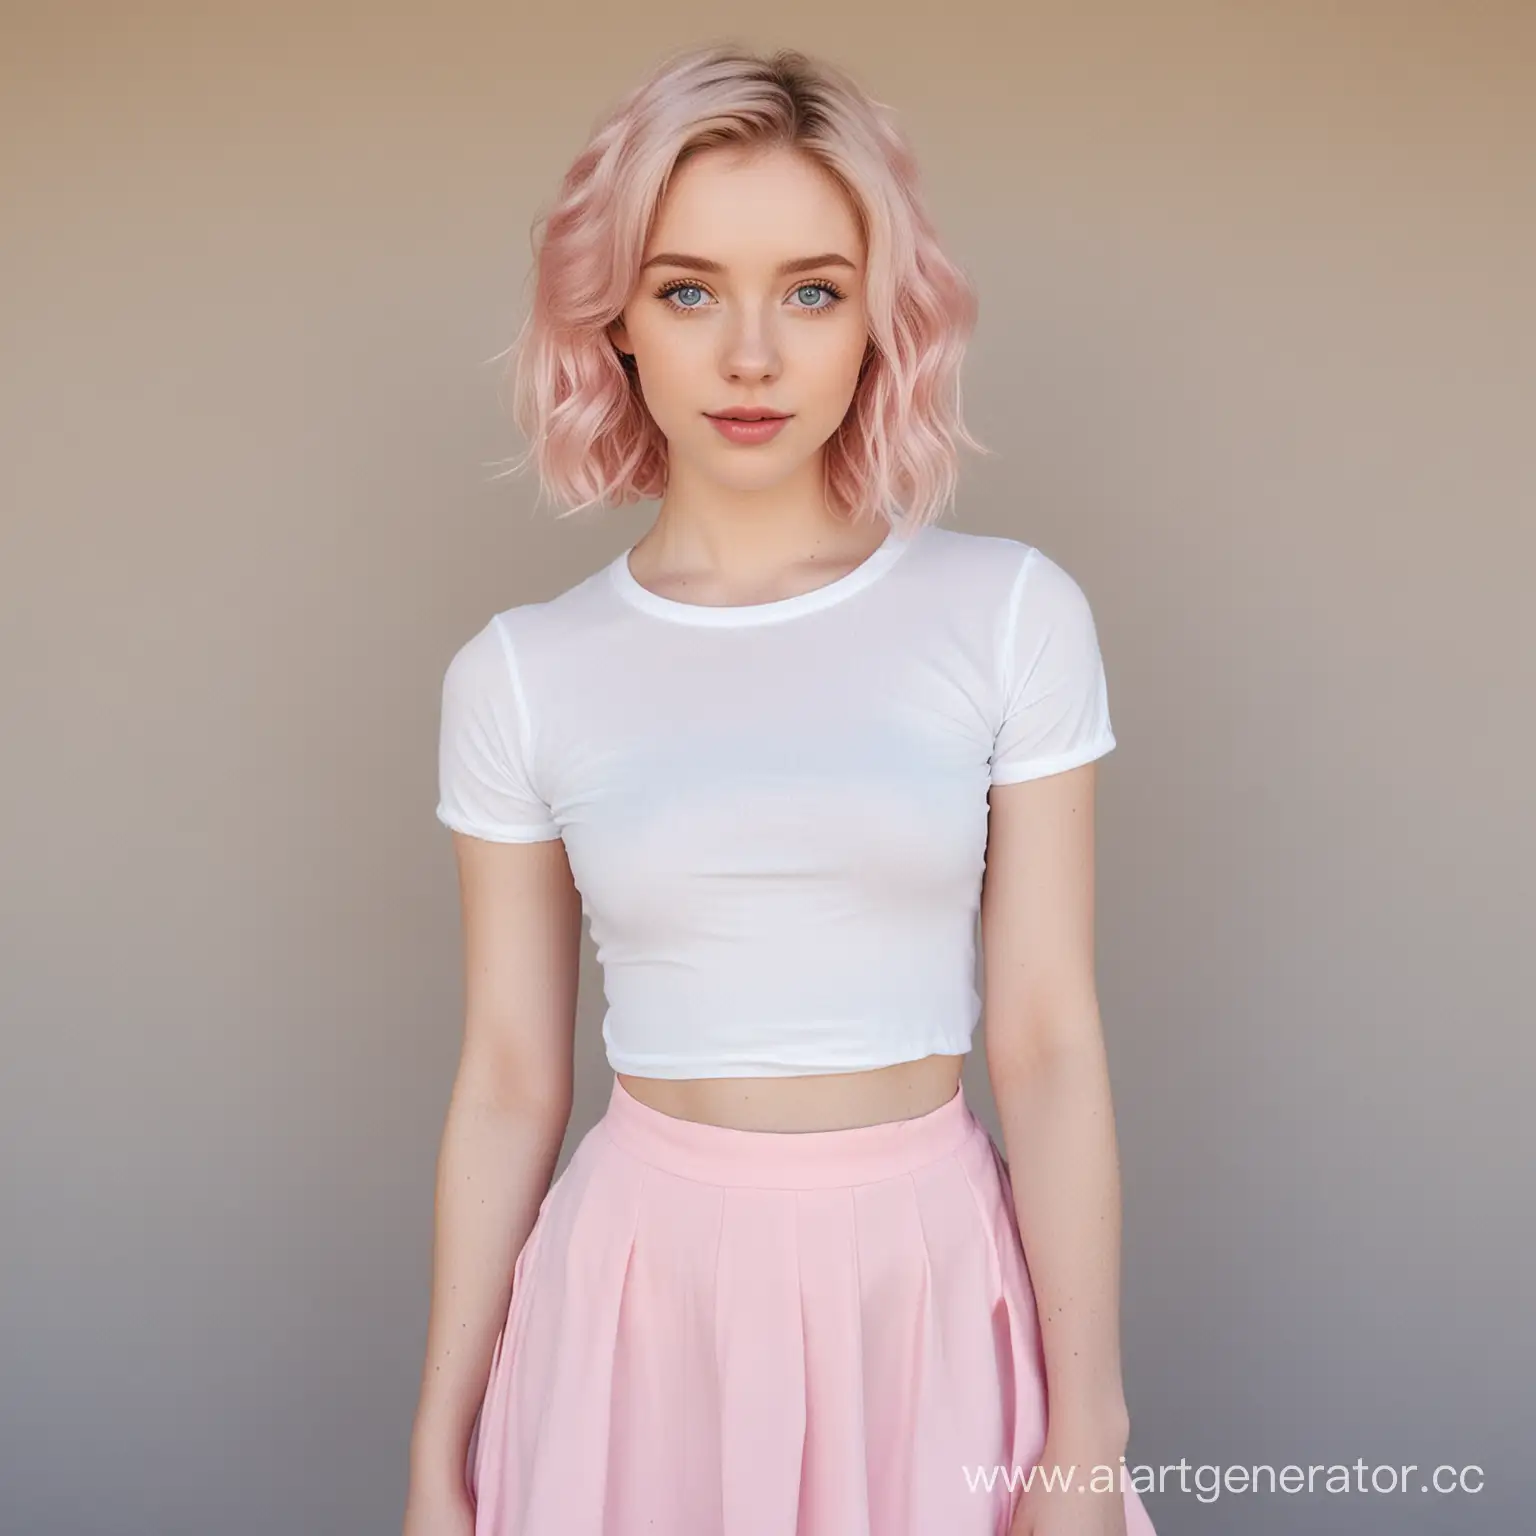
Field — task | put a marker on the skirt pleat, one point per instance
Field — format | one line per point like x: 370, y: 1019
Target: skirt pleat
x: 727, y: 1333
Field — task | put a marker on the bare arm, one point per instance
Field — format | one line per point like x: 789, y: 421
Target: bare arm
x: 506, y: 1121
x: 1046, y: 1060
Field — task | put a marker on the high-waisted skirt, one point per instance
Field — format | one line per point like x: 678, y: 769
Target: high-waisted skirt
x: 715, y: 1332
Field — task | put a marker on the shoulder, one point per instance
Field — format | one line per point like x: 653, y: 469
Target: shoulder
x: 1018, y: 561
x: 1045, y: 591
x: 529, y: 640
x: 1016, y: 577
x: 975, y: 572
x: 1025, y: 597
x: 486, y: 656
x: 960, y: 549
x: 540, y: 620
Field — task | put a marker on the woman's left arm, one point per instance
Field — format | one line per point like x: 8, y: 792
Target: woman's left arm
x: 1046, y: 1060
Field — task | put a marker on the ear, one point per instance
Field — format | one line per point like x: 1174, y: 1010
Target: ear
x: 618, y: 334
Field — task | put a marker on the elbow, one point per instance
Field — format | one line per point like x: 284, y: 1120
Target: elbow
x: 532, y: 1085
x: 1025, y: 1043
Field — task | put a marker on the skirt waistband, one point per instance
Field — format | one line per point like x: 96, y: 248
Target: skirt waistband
x: 718, y: 1154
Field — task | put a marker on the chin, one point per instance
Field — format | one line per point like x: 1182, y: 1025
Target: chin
x: 764, y: 477
x: 729, y: 461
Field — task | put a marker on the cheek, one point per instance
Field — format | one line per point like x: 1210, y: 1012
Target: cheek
x: 833, y: 361
x: 840, y: 345
x: 670, y: 382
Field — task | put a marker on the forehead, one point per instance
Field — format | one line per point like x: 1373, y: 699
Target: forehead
x: 754, y: 210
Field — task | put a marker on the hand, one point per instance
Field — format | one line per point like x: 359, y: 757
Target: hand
x: 439, y: 1510
x: 1054, y: 1505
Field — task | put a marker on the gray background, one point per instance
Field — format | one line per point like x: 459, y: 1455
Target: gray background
x: 1258, y: 358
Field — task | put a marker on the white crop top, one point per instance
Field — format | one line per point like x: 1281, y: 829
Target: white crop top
x: 776, y: 814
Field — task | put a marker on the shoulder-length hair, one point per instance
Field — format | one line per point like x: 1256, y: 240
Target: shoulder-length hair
x: 576, y: 400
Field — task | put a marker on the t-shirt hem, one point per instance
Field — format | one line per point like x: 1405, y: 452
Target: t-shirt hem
x: 498, y: 834
x: 757, y: 1066
x: 1040, y: 767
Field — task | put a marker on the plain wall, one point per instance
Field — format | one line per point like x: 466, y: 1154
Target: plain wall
x: 1257, y: 356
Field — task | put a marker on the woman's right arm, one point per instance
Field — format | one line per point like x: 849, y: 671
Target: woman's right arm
x: 506, y: 1121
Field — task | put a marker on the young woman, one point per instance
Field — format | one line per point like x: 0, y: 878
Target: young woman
x: 770, y: 750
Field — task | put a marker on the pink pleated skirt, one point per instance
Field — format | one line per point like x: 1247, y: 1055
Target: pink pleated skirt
x: 716, y: 1332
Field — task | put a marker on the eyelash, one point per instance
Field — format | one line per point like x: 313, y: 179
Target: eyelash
x: 676, y: 284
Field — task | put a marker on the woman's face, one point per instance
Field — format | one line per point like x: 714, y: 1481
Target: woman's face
x: 751, y: 294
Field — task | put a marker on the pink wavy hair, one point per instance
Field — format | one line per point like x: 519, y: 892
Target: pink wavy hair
x: 575, y: 401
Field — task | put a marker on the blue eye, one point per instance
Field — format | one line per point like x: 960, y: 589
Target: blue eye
x: 670, y: 291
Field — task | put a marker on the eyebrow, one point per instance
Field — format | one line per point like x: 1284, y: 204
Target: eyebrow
x: 704, y: 264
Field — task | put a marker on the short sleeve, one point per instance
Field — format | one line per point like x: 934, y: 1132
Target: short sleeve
x: 484, y: 788
x: 1055, y: 711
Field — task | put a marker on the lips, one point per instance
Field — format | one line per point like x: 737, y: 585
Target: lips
x: 747, y: 415
x: 734, y: 429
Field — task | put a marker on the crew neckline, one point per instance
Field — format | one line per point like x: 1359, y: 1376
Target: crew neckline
x: 734, y: 615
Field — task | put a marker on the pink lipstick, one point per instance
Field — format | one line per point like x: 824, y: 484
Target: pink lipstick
x: 737, y: 429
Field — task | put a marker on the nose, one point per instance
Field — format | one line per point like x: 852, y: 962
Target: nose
x: 751, y: 353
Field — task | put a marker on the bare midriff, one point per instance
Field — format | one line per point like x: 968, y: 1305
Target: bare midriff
x: 820, y: 1102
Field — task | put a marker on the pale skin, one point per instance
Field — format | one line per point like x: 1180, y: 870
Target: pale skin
x: 740, y: 525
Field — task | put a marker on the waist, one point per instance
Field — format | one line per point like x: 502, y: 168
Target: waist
x: 795, y: 1159
x: 799, y: 1102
